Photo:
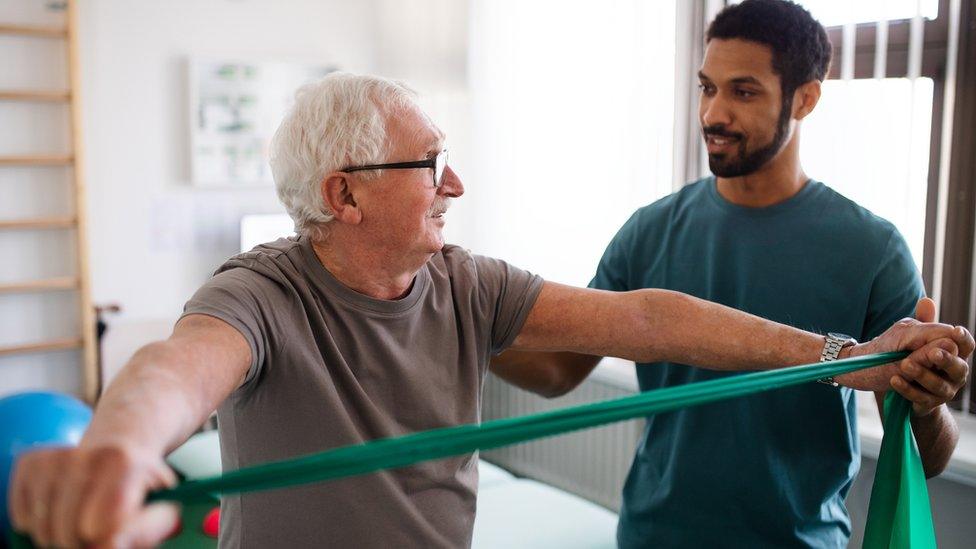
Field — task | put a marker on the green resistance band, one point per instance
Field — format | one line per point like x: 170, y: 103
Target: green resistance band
x: 390, y: 453
x: 899, y: 483
x: 899, y: 514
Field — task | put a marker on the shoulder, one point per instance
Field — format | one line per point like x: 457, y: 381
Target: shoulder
x: 283, y: 250
x: 266, y: 269
x: 856, y: 220
x: 652, y: 222
x: 665, y: 209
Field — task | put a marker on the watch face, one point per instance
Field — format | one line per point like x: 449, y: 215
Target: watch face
x: 839, y: 336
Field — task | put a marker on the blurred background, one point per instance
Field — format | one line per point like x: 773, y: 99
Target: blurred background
x: 133, y: 159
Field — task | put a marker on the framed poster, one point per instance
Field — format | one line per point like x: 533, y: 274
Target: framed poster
x: 235, y: 107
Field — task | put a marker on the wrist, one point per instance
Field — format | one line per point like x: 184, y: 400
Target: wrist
x: 835, y: 347
x: 919, y: 411
x: 132, y: 448
x: 847, y: 352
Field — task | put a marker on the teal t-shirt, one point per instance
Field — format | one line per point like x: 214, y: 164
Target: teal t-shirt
x: 769, y: 470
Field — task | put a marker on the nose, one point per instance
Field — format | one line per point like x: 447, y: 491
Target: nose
x: 451, y: 185
x: 714, y: 111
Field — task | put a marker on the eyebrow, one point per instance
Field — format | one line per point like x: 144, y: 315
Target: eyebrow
x: 438, y: 145
x: 746, y: 80
x: 738, y: 80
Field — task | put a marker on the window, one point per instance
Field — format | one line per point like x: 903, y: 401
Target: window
x: 888, y: 135
x: 572, y: 132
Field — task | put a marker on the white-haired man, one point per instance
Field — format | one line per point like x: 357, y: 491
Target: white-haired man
x: 366, y: 326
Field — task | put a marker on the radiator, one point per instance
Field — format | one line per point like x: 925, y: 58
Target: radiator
x: 592, y: 463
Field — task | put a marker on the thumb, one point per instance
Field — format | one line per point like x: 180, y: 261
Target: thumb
x: 925, y: 310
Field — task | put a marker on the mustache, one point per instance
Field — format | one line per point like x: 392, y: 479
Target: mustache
x: 720, y: 131
x: 440, y: 207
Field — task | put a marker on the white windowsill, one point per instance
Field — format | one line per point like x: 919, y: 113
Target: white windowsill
x: 962, y: 466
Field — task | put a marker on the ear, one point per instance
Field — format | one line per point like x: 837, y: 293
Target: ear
x: 805, y: 99
x: 338, y: 197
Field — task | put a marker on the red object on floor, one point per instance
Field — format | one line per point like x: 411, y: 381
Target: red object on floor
x: 211, y: 523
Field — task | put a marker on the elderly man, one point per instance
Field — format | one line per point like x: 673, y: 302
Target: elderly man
x: 366, y: 326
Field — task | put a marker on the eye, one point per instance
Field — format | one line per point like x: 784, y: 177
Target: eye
x: 706, y: 89
x: 745, y: 94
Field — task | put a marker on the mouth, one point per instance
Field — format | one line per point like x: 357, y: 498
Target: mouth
x: 719, y: 144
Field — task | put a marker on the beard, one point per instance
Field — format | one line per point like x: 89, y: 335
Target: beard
x: 745, y: 162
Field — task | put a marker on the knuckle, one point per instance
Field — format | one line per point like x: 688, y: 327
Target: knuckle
x: 107, y: 457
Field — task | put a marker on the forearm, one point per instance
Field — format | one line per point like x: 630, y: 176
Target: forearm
x: 936, y: 435
x: 151, y: 406
x: 675, y: 327
x: 705, y: 334
x: 660, y: 325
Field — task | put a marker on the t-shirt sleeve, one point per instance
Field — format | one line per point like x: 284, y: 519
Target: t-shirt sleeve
x: 896, y: 289
x: 613, y: 268
x: 238, y: 297
x: 507, y: 294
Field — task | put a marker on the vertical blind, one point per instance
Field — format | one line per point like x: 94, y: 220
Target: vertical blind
x: 925, y: 51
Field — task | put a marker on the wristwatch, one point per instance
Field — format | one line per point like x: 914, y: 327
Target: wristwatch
x: 832, y: 346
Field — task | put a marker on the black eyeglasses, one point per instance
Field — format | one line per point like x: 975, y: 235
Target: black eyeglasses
x: 437, y: 163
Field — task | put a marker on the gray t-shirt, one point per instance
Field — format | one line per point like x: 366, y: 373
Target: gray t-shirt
x: 332, y: 367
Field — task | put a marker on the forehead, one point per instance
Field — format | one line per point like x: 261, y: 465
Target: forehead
x: 735, y: 59
x: 411, y: 130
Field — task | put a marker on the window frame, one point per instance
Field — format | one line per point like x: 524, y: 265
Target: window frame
x: 956, y: 290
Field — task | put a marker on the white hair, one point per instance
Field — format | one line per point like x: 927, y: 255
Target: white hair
x: 336, y: 122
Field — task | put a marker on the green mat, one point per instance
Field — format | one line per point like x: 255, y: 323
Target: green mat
x: 895, y: 504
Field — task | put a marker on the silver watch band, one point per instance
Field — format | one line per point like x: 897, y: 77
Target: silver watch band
x: 832, y: 346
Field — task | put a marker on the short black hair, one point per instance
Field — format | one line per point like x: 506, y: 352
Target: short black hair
x: 801, y: 50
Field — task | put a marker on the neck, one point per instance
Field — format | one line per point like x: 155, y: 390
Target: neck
x: 777, y: 181
x: 380, y: 274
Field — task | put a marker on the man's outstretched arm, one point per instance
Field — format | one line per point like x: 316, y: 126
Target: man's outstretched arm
x: 94, y: 494
x: 661, y: 325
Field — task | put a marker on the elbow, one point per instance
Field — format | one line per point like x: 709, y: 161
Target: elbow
x: 933, y: 470
x: 558, y: 387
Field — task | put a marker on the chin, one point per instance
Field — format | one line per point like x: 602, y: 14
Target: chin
x: 434, y: 244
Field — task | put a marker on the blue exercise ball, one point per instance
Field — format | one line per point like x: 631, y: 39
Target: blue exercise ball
x: 32, y: 420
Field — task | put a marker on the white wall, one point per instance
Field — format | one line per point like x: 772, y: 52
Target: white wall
x: 153, y: 237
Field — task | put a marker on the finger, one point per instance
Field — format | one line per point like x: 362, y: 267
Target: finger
x: 956, y: 372
x: 64, y: 530
x: 929, y: 356
x: 925, y: 310
x: 927, y: 378
x: 150, y: 526
x: 964, y: 338
x: 913, y: 393
x: 103, y: 510
x: 919, y: 334
x: 19, y: 497
x: 41, y: 499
